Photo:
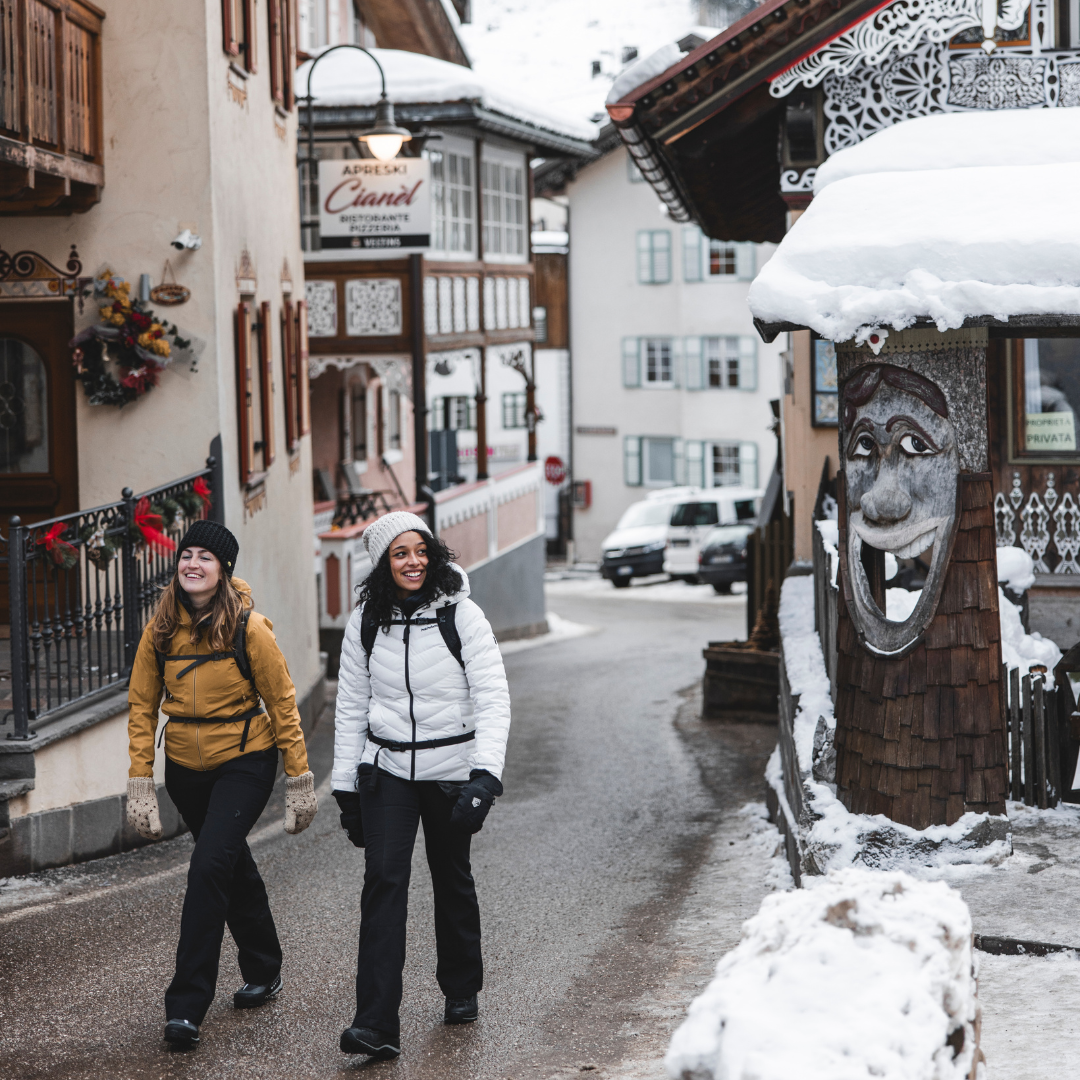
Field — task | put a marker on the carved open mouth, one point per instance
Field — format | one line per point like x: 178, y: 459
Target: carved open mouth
x: 905, y: 541
x: 880, y: 634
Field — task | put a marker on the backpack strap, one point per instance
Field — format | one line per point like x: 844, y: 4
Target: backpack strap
x: 240, y: 648
x: 238, y: 653
x: 447, y: 619
x: 369, y: 630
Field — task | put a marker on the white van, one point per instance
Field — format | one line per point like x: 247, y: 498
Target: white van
x: 635, y: 548
x: 692, y: 519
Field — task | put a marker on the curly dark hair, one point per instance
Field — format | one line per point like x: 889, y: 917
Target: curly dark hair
x: 380, y: 591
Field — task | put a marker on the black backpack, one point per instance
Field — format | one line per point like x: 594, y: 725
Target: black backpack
x: 445, y: 616
x: 238, y: 653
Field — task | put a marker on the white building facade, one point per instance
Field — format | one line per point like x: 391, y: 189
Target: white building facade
x: 670, y: 383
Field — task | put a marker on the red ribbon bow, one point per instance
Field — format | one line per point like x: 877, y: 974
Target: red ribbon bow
x: 60, y: 550
x: 149, y: 524
x: 202, y: 489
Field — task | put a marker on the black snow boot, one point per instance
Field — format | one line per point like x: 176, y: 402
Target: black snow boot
x: 376, y: 1044
x: 182, y: 1033
x: 461, y: 1010
x: 252, y: 995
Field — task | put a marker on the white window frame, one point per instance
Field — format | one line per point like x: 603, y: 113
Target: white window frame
x: 727, y: 355
x: 697, y: 251
x: 505, y: 213
x: 443, y: 190
x: 745, y: 454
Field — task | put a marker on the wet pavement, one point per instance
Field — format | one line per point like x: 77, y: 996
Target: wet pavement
x: 604, y: 891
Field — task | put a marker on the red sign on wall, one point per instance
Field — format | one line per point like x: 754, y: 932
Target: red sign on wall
x: 554, y: 470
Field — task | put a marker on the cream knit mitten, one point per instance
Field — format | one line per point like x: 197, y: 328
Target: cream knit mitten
x: 301, y: 805
x: 142, y: 807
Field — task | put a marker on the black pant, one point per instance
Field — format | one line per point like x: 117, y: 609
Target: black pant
x: 224, y: 886
x: 391, y: 814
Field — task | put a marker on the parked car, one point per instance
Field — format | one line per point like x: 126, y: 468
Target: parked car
x: 692, y: 519
x: 635, y: 548
x: 722, y: 559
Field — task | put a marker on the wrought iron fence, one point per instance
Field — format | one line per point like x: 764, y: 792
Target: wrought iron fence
x: 80, y: 589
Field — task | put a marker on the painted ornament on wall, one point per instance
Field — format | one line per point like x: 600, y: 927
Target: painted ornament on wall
x: 121, y: 359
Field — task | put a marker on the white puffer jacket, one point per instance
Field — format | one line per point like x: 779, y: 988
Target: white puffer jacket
x: 434, y: 700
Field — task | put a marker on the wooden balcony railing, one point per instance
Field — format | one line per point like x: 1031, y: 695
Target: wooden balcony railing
x: 50, y: 106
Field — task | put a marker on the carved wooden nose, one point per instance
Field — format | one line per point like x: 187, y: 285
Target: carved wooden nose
x: 886, y: 503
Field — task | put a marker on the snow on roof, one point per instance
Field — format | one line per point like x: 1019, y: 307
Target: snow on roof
x: 883, y: 248
x: 345, y: 78
x: 961, y: 140
x: 645, y: 69
x: 546, y: 48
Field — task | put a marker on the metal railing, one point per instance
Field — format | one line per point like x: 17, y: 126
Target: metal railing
x: 80, y: 589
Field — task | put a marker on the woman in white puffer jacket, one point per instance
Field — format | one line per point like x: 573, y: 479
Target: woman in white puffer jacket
x: 423, y: 712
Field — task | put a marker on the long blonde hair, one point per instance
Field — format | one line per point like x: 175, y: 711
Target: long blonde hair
x: 221, y: 619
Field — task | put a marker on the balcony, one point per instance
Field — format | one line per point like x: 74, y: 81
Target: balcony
x: 50, y: 107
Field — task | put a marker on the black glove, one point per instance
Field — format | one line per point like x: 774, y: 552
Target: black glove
x: 475, y: 800
x: 351, y: 821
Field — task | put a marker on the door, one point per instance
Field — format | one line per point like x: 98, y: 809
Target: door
x: 38, y: 450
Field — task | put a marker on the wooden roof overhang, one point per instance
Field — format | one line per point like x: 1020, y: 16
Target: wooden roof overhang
x: 450, y: 114
x: 705, y: 131
x: 1063, y: 326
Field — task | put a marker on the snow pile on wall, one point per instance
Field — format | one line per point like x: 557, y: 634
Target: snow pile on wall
x: 960, y: 141
x: 861, y: 974
x: 1015, y: 568
x: 884, y: 248
x: 832, y: 837
x: 348, y: 78
x: 1020, y: 650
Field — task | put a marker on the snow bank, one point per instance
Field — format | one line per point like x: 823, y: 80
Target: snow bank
x: 960, y: 141
x: 347, y: 78
x: 1020, y: 650
x: 1015, y: 568
x: 861, y: 974
x: 917, y: 222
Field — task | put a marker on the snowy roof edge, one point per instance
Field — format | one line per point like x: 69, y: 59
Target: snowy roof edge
x: 1002, y: 328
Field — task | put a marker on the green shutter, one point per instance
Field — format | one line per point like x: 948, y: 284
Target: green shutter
x: 695, y: 463
x: 631, y: 361
x: 695, y: 376
x: 661, y: 256
x: 747, y: 362
x: 691, y: 253
x: 644, y: 257
x: 632, y: 460
x: 745, y: 262
x: 748, y: 464
x: 676, y: 361
x: 678, y: 455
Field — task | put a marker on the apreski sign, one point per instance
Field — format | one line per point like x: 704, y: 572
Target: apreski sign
x: 375, y: 205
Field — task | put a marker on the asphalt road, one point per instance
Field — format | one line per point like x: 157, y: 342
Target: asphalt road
x: 612, y: 802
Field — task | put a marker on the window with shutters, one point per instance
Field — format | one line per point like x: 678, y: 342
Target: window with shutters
x: 656, y: 353
x: 513, y: 411
x: 653, y: 461
x: 723, y: 261
x: 282, y: 16
x: 706, y: 259
x: 255, y: 390
x: 238, y: 31
x: 654, y: 256
x: 393, y: 420
x: 734, y: 464
x: 453, y: 413
x: 290, y: 374
x: 452, y: 198
x: 502, y: 181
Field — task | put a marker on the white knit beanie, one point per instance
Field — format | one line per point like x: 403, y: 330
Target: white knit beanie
x: 382, y: 532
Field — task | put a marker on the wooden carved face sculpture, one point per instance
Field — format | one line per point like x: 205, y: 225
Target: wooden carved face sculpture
x: 901, y: 463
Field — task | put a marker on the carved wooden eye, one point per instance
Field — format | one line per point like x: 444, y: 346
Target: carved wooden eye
x: 864, y: 446
x: 914, y: 446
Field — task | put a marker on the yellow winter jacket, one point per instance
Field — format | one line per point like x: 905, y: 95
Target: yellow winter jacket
x: 213, y: 689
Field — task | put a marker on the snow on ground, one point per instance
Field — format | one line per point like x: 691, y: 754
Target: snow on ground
x: 860, y: 974
x: 852, y: 264
x: 657, y: 587
x: 546, y: 48
x: 559, y: 629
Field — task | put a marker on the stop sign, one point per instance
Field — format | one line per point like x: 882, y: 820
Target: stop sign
x: 554, y: 470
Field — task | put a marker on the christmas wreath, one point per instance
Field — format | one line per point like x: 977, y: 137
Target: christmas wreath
x: 132, y: 337
x: 147, y: 529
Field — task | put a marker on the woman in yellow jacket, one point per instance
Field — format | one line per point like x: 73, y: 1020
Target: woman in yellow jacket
x: 213, y: 658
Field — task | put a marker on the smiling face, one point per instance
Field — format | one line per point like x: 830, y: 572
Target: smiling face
x: 199, y: 572
x: 408, y: 563
x: 901, y: 465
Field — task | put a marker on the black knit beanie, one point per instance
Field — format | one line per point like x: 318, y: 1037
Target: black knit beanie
x: 213, y: 536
